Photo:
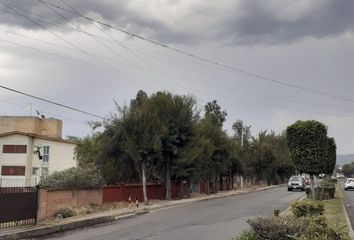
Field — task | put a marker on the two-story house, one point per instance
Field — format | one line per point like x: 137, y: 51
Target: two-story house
x: 30, y: 148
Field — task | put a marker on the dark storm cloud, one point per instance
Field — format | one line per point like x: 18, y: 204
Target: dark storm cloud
x: 247, y: 22
x: 261, y: 23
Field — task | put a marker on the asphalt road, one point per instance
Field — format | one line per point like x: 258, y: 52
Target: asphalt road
x: 221, y: 218
x: 349, y: 201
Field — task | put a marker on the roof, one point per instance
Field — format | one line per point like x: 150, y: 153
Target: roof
x: 36, y: 136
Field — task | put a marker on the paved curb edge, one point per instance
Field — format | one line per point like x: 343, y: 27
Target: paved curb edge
x: 349, y: 224
x: 49, y: 230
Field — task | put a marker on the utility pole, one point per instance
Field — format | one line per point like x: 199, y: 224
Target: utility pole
x: 241, y: 180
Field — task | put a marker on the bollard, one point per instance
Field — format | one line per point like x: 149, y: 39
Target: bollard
x: 276, y: 212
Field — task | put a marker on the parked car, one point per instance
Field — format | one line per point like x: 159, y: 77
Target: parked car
x: 296, y: 182
x: 349, y: 184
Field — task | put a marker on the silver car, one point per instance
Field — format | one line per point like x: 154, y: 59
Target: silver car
x: 296, y: 183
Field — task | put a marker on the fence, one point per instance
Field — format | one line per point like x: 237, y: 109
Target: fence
x: 121, y: 192
x: 13, y: 183
x: 18, y: 206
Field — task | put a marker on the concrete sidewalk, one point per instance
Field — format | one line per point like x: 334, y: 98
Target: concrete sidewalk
x: 51, y: 227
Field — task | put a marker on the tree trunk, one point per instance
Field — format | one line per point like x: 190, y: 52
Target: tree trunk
x: 168, y: 181
x: 207, y: 186
x: 230, y: 180
x: 323, y: 186
x: 188, y: 189
x: 313, y: 194
x: 144, y: 184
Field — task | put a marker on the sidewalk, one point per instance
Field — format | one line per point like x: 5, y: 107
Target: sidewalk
x: 51, y: 227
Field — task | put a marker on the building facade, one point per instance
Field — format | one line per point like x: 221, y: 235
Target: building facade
x: 31, y: 148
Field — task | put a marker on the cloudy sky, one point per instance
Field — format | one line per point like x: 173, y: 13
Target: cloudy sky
x: 57, y: 54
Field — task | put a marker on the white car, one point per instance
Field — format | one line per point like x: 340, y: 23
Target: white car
x: 349, y: 184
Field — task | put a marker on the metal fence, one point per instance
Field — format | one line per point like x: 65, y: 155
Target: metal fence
x: 14, y: 183
x: 18, y: 206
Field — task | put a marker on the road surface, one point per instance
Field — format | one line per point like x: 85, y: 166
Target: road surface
x: 221, y: 218
x: 349, y: 201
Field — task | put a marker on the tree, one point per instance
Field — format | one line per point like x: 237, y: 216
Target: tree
x: 214, y: 113
x: 242, y: 132
x: 348, y: 170
x: 87, y: 149
x: 308, y: 145
x: 178, y: 117
x: 330, y: 164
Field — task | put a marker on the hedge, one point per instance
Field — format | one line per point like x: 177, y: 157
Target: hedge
x: 73, y: 178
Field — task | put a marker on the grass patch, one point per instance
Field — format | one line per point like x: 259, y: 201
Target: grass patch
x: 334, y: 213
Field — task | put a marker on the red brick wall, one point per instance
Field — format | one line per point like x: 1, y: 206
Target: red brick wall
x: 50, y: 201
x: 121, y: 193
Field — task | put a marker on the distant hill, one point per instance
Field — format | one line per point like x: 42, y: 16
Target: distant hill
x: 343, y: 159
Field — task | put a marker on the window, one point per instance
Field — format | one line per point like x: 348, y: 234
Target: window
x: 45, y: 171
x: 14, y: 149
x: 13, y: 170
x: 35, y: 171
x: 46, y: 154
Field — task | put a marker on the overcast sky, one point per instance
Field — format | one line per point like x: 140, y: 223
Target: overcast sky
x: 58, y: 55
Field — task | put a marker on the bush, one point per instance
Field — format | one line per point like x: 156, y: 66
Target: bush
x: 289, y: 228
x: 317, y: 229
x: 73, y: 178
x: 277, y: 228
x: 307, y: 208
x: 248, y: 235
x: 332, y: 180
x: 64, y: 212
x: 328, y: 193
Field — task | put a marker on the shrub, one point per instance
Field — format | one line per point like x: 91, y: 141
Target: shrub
x: 317, y: 229
x: 248, y: 235
x: 332, y: 180
x: 328, y: 193
x: 307, y: 208
x: 64, y: 212
x: 277, y: 228
x: 73, y: 178
x: 289, y: 228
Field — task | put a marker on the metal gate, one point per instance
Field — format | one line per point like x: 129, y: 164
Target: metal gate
x: 18, y: 206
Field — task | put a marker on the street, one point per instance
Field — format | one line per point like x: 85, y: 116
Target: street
x: 221, y: 218
x: 349, y: 201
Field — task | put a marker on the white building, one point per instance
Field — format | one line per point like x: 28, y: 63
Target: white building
x: 26, y: 156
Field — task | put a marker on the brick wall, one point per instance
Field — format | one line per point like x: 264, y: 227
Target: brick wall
x: 50, y: 201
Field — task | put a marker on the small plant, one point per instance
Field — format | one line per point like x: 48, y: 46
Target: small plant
x: 307, y: 208
x: 64, y: 213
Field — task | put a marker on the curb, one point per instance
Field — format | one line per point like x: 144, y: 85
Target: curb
x: 349, y: 224
x: 288, y: 209
x: 49, y: 230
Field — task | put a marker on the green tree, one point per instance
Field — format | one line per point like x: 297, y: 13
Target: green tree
x: 178, y: 118
x: 308, y: 145
x: 348, y: 170
x: 87, y: 149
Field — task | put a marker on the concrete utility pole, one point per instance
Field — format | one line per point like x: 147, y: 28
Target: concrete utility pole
x: 241, y: 180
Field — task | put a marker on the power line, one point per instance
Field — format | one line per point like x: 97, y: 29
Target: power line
x: 66, y: 41
x: 225, y: 66
x: 225, y: 95
x: 51, y: 102
x: 120, y: 44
